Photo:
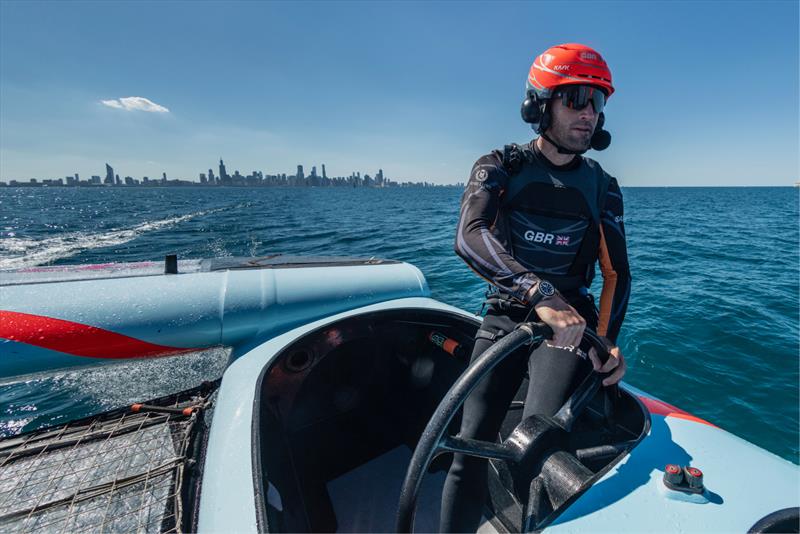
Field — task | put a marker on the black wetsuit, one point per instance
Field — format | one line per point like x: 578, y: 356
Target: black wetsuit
x: 524, y: 219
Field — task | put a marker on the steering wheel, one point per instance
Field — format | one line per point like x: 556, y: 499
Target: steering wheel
x: 529, y: 441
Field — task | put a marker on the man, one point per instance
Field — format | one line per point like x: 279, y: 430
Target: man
x: 535, y: 219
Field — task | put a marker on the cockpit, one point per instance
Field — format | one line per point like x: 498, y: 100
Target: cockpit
x: 340, y: 411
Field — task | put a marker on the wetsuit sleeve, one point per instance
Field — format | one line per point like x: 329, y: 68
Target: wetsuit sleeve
x: 475, y: 242
x: 613, y: 258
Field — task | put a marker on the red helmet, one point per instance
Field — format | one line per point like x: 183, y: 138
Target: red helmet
x: 568, y: 64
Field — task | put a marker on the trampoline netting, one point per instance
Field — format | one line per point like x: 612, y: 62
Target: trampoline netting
x: 120, y: 471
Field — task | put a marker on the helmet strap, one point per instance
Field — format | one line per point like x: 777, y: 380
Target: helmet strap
x: 544, y: 124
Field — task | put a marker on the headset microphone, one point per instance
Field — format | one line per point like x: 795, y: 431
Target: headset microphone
x: 601, y: 139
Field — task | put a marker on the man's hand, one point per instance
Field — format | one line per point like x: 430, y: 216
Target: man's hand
x: 566, y: 323
x: 615, y: 361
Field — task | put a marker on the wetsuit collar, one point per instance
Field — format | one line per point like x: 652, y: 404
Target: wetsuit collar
x: 571, y: 166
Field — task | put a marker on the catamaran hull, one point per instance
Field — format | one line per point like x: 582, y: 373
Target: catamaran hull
x: 53, y: 319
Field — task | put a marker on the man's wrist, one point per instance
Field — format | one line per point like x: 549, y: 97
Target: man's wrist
x: 542, y: 290
x: 531, y: 292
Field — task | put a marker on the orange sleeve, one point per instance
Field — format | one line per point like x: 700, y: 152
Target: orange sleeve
x: 609, y: 285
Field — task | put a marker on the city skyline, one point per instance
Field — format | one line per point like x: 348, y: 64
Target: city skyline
x: 223, y: 179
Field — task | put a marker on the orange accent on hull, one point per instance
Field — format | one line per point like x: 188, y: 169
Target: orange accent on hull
x: 658, y: 407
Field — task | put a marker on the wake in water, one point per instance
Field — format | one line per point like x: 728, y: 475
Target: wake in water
x: 20, y: 253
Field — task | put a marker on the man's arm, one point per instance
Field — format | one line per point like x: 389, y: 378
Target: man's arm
x: 475, y: 243
x: 613, y: 258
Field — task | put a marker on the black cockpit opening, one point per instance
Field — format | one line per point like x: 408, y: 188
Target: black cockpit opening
x: 356, y: 394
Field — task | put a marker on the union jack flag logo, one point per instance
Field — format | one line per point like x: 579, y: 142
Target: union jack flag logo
x: 562, y: 240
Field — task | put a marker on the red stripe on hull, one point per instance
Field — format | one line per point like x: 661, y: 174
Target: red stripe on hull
x: 667, y: 410
x: 92, y: 267
x: 76, y: 338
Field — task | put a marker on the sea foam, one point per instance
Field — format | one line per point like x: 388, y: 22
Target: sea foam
x: 20, y: 253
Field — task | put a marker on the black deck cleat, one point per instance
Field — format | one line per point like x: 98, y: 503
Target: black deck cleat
x: 694, y: 477
x: 686, y: 479
x: 673, y: 475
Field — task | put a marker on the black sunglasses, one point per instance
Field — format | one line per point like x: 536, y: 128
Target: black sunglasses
x: 578, y: 97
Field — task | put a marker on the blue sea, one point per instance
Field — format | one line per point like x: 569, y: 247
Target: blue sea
x: 712, y: 325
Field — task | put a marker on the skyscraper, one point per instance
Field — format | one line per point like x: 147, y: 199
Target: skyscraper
x: 324, y: 176
x: 222, y: 173
x: 300, y: 175
x: 211, y: 179
x: 109, y: 175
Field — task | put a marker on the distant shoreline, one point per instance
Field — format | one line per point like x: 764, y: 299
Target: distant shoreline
x: 195, y: 185
x: 215, y: 187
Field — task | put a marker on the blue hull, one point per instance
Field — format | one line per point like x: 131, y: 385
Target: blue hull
x: 69, y: 317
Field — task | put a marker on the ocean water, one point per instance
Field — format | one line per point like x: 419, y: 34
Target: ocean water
x: 712, y: 325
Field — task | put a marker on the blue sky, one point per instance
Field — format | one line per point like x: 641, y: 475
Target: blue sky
x: 707, y: 93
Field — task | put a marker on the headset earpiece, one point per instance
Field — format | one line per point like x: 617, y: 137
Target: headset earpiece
x: 531, y: 111
x: 534, y: 111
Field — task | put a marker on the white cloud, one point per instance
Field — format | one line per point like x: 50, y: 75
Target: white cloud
x: 112, y: 103
x: 135, y: 103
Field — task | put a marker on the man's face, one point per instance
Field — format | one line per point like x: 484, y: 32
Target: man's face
x: 572, y: 128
